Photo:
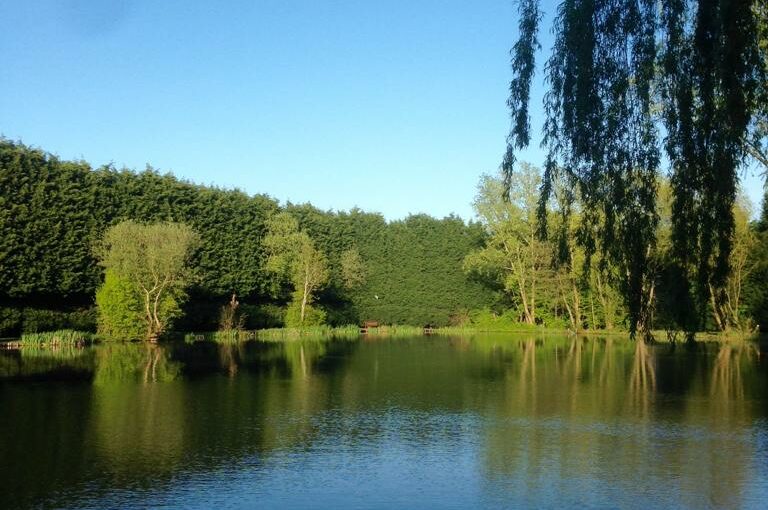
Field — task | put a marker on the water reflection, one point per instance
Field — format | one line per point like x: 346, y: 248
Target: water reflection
x: 146, y: 363
x: 495, y: 419
x: 642, y: 382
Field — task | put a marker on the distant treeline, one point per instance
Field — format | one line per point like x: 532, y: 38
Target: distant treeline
x: 52, y: 212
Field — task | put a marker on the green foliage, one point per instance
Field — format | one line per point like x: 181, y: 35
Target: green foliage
x: 65, y: 207
x: 710, y: 98
x: 46, y: 221
x: 38, y: 320
x: 10, y: 322
x: 14, y: 321
x: 523, y: 66
x: 293, y: 255
x: 755, y: 287
x: 312, y: 315
x: 412, y: 265
x: 486, y: 320
x: 515, y: 258
x: 606, y: 89
x: 152, y: 260
x: 352, y: 269
x: 263, y: 316
x: 120, y: 310
x: 55, y: 338
x: 413, y: 272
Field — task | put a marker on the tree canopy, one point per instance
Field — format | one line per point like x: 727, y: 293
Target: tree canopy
x: 152, y: 263
x: 628, y: 81
x: 52, y: 212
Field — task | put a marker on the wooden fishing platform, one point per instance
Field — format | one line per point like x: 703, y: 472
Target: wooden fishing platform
x: 367, y: 325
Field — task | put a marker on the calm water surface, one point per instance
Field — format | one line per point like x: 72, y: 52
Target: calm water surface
x: 427, y: 422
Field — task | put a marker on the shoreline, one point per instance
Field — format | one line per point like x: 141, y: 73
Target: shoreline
x: 83, y: 339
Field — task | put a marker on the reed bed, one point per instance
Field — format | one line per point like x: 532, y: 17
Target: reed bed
x: 349, y: 332
x: 55, y: 338
x: 309, y: 333
x: 232, y: 336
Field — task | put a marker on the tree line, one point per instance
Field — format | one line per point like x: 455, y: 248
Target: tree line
x: 549, y: 280
x: 73, y: 237
x: 54, y: 214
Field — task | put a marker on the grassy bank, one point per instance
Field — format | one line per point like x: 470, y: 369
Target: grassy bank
x: 74, y: 338
x: 60, y: 337
x: 355, y: 332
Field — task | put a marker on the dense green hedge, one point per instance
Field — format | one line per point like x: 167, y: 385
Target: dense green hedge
x: 53, y: 211
x: 413, y: 266
x: 15, y: 321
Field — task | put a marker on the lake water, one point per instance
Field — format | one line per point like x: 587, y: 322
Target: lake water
x: 428, y: 422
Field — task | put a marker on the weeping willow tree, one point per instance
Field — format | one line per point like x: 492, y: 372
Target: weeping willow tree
x: 627, y: 80
x: 757, y: 146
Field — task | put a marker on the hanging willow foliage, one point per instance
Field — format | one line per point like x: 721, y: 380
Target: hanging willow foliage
x: 523, y: 66
x: 607, y: 87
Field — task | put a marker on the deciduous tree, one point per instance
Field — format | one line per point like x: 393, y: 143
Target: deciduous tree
x: 152, y: 262
x: 292, y: 254
x: 514, y: 254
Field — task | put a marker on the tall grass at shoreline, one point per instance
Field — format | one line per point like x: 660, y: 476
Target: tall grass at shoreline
x: 352, y: 332
x: 56, y: 338
x: 72, y: 338
x: 349, y: 332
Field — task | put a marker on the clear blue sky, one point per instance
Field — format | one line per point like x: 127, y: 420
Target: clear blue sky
x: 394, y: 106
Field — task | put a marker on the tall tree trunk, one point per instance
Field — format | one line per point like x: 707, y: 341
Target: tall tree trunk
x: 607, y: 307
x: 148, y: 315
x: 576, y: 307
x: 304, y: 297
x: 529, y: 319
x: 716, y: 312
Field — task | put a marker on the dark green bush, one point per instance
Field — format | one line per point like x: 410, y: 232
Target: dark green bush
x: 10, y: 322
x: 38, y: 320
x: 263, y: 316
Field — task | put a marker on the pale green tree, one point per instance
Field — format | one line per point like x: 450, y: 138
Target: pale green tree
x: 514, y: 254
x: 727, y: 302
x: 568, y: 268
x: 151, y: 262
x: 294, y: 256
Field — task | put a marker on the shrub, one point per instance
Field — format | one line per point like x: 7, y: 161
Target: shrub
x: 120, y: 314
x: 36, y: 320
x: 313, y: 316
x: 10, y: 322
x: 263, y: 316
x: 83, y: 320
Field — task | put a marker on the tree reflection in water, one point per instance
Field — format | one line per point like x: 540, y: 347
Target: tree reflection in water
x: 642, y: 382
x: 520, y: 411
